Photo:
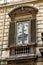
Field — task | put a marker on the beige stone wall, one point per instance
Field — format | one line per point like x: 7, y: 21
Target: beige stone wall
x: 4, y: 27
x: 4, y: 31
x: 39, y: 63
x: 39, y: 26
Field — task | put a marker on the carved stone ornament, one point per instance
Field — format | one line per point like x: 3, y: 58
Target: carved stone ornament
x: 20, y: 10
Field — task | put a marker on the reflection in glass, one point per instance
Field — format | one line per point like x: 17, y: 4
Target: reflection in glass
x: 19, y: 30
x: 26, y: 32
x: 22, y: 32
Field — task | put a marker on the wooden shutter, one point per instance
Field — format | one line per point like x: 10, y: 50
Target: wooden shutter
x: 11, y: 34
x: 33, y: 30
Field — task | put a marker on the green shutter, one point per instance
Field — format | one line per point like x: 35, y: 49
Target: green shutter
x: 33, y: 30
x: 11, y: 34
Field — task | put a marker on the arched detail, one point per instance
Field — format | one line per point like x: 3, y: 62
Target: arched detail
x: 22, y: 10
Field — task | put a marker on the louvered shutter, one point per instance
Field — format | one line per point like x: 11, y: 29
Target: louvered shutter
x: 11, y: 34
x: 33, y: 30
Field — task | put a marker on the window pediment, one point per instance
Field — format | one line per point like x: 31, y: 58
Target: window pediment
x: 22, y: 10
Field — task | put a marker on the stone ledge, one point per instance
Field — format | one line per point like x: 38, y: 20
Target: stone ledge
x: 29, y: 56
x: 15, y: 3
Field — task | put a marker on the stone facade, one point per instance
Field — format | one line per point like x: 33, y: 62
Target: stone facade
x: 4, y: 29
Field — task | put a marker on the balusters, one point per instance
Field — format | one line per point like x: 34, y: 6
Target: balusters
x: 22, y: 50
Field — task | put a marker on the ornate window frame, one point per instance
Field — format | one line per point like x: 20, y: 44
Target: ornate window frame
x: 22, y: 13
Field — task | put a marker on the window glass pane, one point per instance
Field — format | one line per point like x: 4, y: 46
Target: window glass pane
x: 26, y: 32
x: 19, y: 34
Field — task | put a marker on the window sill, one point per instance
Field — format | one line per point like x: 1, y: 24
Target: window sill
x: 14, y: 46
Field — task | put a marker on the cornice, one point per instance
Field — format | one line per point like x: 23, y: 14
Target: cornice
x: 16, y: 3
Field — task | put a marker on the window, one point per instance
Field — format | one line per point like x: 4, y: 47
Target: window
x: 23, y: 32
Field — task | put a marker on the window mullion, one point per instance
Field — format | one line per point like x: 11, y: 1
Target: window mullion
x: 28, y: 32
x: 16, y: 26
x: 22, y: 33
